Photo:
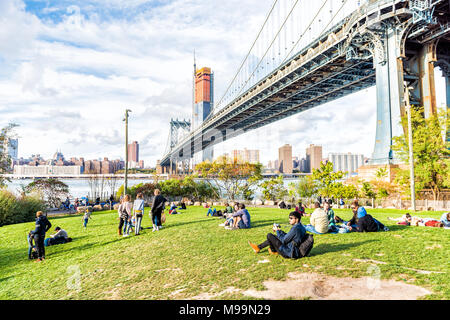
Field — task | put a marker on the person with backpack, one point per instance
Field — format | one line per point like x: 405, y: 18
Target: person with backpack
x: 295, y: 244
x: 157, y: 209
x: 362, y: 221
x: 42, y: 226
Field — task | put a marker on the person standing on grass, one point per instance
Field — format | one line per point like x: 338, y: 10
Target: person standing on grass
x: 138, y: 212
x: 42, y: 226
x: 287, y: 245
x: 128, y: 210
x: 87, y: 216
x: 122, y: 216
x: 157, y: 209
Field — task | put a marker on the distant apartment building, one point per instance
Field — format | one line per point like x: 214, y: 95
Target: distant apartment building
x: 346, y: 162
x: 313, y: 157
x: 303, y: 165
x: 47, y: 170
x: 133, y: 154
x: 251, y: 156
x: 285, y: 159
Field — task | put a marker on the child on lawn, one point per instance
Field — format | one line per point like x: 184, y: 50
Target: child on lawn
x: 87, y: 216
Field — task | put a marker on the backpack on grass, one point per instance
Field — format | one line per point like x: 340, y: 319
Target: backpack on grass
x: 306, y: 245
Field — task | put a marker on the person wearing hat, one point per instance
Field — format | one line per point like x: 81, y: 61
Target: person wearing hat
x: 42, y: 226
x: 284, y: 244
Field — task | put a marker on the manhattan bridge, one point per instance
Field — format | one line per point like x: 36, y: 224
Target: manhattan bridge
x: 308, y: 53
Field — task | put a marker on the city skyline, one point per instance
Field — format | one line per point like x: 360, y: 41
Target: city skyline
x: 68, y: 72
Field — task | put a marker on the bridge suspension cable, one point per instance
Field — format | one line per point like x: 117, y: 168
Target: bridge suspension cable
x: 287, y: 28
x: 248, y: 53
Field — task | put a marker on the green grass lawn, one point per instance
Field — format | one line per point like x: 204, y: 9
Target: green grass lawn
x: 193, y: 255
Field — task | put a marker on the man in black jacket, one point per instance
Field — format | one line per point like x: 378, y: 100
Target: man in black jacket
x: 42, y: 226
x: 157, y: 209
x: 364, y: 221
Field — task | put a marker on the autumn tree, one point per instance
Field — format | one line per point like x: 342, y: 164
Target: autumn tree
x: 230, y: 176
x: 431, y: 151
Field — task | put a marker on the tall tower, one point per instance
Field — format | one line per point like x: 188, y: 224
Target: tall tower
x: 313, y: 157
x: 285, y: 159
x: 202, y: 105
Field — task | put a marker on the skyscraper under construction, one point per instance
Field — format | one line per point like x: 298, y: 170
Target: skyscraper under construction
x: 203, y: 99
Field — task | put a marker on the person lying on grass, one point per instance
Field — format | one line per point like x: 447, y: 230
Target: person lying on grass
x: 408, y: 220
x: 363, y: 222
x: 287, y: 245
x: 241, y: 219
x: 445, y: 219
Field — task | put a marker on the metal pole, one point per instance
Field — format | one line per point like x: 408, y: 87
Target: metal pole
x: 126, y: 152
x: 411, y: 156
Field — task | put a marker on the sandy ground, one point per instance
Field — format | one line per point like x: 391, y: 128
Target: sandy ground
x: 321, y: 287
x: 318, y: 287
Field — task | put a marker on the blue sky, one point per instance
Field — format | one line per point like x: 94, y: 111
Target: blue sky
x: 69, y: 69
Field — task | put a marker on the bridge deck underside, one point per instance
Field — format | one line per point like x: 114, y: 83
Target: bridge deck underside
x: 322, y: 80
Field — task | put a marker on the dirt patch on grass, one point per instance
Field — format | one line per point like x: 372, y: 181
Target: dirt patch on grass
x: 322, y: 287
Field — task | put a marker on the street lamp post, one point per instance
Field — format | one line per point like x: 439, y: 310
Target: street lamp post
x: 126, y: 151
x: 410, y: 147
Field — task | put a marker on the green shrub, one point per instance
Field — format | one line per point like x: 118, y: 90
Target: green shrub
x: 16, y: 210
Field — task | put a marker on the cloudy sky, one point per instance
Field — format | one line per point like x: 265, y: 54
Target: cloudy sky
x: 69, y: 69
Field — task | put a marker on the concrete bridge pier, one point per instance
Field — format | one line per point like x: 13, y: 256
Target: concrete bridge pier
x: 400, y: 65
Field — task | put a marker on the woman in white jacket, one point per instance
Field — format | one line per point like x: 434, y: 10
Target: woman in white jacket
x: 138, y: 212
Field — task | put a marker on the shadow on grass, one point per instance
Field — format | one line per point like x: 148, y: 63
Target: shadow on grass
x: 396, y: 227
x: 330, y: 247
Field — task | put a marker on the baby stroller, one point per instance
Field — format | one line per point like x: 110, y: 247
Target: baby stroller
x: 32, y: 250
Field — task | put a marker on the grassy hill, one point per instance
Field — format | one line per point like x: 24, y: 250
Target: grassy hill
x: 193, y: 256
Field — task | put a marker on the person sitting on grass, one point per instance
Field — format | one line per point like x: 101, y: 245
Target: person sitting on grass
x: 211, y: 211
x: 182, y: 206
x: 173, y: 208
x: 318, y: 223
x: 287, y: 245
x: 300, y: 208
x: 364, y: 221
x: 228, y: 208
x: 59, y: 237
x: 241, y: 219
x: 282, y: 205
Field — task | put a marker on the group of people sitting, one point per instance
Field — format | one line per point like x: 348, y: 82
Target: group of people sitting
x: 298, y: 243
x: 236, y: 217
x: 324, y: 220
x: 173, y: 207
x: 408, y: 220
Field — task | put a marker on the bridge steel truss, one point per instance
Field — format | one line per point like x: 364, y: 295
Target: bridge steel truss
x: 393, y: 44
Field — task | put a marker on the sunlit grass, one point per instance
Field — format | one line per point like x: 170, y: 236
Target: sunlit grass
x: 192, y: 255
